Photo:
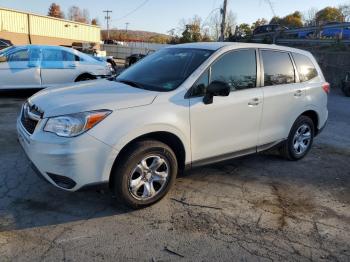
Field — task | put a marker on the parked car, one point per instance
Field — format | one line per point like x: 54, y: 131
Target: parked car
x: 34, y: 66
x: 4, y: 43
x: 110, y: 62
x: 181, y: 107
x: 264, y: 29
x: 346, y: 85
x: 343, y: 33
x: 134, y: 58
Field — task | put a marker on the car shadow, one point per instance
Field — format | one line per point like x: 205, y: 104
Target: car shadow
x: 30, y: 202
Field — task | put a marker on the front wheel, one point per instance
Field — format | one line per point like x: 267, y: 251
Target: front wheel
x: 145, y: 173
x: 300, y: 139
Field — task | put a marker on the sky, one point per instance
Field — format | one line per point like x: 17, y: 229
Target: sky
x: 163, y: 15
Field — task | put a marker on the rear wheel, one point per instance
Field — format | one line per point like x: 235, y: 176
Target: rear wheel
x: 145, y: 173
x: 300, y: 139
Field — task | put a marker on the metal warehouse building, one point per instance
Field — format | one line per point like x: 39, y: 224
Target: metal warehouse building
x: 26, y: 28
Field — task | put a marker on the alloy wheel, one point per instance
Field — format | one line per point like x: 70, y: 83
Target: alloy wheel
x: 149, y: 177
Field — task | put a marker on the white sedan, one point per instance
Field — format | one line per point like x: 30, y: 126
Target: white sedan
x: 35, y: 66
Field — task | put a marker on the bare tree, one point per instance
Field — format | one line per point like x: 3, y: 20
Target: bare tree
x: 345, y: 10
x: 310, y: 17
x: 78, y: 15
x: 215, y: 25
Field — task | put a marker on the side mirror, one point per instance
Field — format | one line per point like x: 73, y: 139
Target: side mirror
x: 216, y: 88
x: 3, y: 59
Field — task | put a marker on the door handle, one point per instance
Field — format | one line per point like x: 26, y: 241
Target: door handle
x: 298, y: 93
x: 72, y: 66
x: 254, y: 102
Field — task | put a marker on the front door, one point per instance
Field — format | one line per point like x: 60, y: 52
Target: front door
x: 20, y: 70
x: 230, y: 124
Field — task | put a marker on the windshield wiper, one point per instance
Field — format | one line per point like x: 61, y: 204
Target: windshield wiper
x: 130, y: 83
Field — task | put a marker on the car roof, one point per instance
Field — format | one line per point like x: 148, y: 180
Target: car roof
x: 214, y: 46
x: 44, y: 46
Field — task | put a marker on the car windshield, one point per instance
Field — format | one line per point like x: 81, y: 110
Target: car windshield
x: 164, y: 70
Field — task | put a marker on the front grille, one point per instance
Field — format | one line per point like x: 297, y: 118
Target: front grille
x: 29, y: 118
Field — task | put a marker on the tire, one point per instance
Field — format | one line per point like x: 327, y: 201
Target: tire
x: 300, y: 140
x: 144, y: 174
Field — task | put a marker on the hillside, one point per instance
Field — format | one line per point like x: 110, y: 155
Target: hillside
x: 132, y: 35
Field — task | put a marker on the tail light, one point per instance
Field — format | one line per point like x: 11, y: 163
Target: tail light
x: 326, y: 87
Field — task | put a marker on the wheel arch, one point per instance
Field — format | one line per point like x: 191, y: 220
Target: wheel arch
x: 85, y: 74
x: 312, y: 114
x: 166, y: 137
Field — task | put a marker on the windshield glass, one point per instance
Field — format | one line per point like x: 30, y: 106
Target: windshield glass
x: 164, y: 70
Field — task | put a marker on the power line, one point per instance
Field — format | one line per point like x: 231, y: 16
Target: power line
x: 107, y: 17
x: 271, y: 6
x: 133, y: 11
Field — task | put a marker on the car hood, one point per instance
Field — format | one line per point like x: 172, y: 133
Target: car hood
x: 89, y: 96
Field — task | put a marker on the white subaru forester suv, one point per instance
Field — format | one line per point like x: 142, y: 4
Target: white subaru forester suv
x: 183, y: 106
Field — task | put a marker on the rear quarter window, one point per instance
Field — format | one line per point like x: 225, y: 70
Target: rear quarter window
x: 305, y: 67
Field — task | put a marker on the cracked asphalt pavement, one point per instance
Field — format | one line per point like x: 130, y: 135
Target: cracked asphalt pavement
x: 255, y: 208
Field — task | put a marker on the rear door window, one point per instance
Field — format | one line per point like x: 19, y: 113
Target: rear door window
x: 67, y: 56
x: 50, y: 55
x: 305, y: 67
x: 278, y: 68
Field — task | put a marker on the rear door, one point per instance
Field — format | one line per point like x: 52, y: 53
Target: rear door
x: 283, y: 96
x: 21, y: 70
x: 58, y: 67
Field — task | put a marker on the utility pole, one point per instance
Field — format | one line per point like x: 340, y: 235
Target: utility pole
x: 126, y: 27
x: 107, y: 17
x: 223, y: 24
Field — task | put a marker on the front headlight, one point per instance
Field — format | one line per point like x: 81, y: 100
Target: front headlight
x: 75, y: 124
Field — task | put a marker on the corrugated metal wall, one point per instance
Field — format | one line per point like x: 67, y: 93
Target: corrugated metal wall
x: 17, y: 22
x: 13, y: 22
x: 44, y: 26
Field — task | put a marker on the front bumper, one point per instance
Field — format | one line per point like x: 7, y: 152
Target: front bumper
x: 67, y: 163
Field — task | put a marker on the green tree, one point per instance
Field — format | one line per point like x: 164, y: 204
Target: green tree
x: 329, y: 14
x: 192, y: 31
x: 259, y: 22
x: 243, y: 30
x: 55, y: 11
x: 294, y: 20
x: 275, y: 20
